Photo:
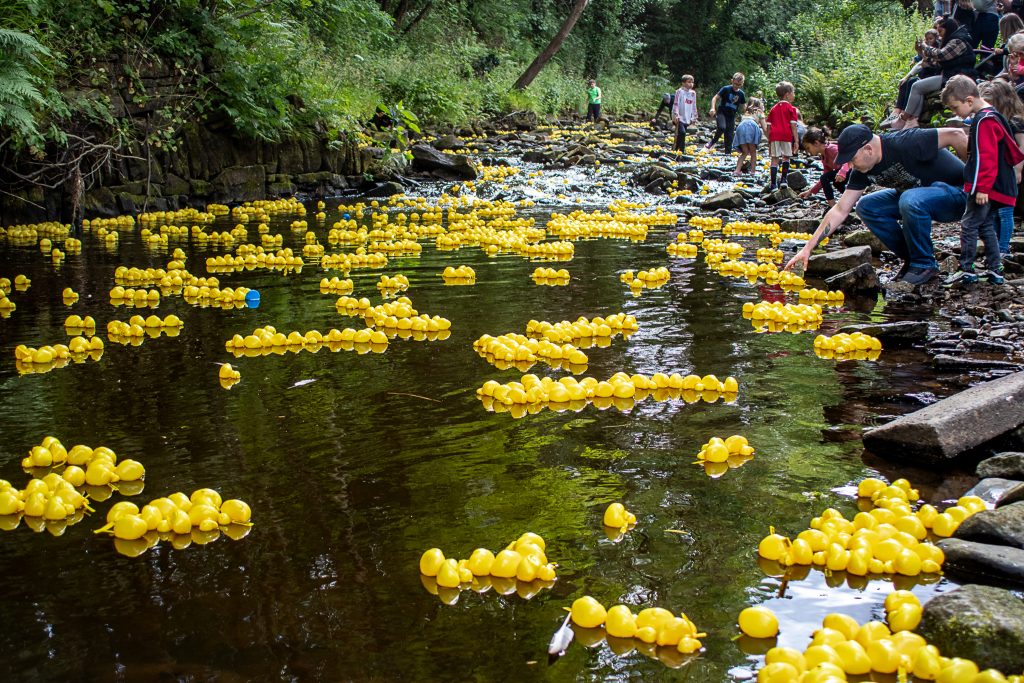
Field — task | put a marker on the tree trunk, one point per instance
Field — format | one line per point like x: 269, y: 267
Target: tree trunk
x: 556, y: 43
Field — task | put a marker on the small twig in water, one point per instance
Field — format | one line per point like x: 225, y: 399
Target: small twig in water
x: 402, y: 393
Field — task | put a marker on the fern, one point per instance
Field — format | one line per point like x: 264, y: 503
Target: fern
x: 20, y: 98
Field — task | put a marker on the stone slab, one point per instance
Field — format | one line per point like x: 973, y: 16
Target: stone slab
x: 956, y: 424
x: 838, y: 261
x: 999, y: 565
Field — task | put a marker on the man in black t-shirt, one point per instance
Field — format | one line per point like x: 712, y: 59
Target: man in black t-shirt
x: 920, y: 181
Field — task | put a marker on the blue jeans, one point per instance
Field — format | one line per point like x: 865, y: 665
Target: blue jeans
x: 1005, y: 228
x: 903, y: 220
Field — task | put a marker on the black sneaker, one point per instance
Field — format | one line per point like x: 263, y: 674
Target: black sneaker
x: 901, y: 273
x: 920, y: 276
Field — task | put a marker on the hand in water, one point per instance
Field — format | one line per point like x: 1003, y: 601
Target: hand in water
x: 799, y: 259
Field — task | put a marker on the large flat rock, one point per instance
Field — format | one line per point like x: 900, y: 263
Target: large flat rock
x: 946, y: 429
x: 860, y: 278
x: 838, y: 261
x: 1008, y: 465
x: 1002, y: 526
x: 449, y: 166
x: 902, y: 333
x: 724, y: 200
x: 980, y: 623
x: 999, y: 565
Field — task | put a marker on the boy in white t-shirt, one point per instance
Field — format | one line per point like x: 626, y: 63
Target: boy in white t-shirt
x: 684, y: 110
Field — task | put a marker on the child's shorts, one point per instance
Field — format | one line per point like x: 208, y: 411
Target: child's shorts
x: 780, y: 149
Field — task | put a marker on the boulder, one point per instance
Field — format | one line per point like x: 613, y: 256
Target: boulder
x: 838, y: 261
x: 954, y: 425
x: 780, y: 195
x: 449, y: 166
x: 448, y: 142
x: 1002, y: 526
x: 175, y: 185
x: 903, y: 333
x: 1005, y: 465
x: 724, y: 200
x: 998, y: 492
x: 659, y: 171
x: 799, y: 224
x: 796, y: 181
x: 864, y: 238
x: 385, y: 189
x: 980, y: 623
x: 860, y: 278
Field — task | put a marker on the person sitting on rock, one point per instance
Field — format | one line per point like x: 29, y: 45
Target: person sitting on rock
x: 955, y: 56
x: 921, y: 68
x: 920, y: 181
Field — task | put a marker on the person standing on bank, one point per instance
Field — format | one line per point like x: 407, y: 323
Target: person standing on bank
x: 593, y: 101
x: 684, y: 110
x: 724, y: 106
x: 921, y: 182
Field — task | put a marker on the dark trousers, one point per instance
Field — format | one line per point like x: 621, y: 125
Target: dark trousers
x: 680, y: 137
x: 593, y: 112
x: 904, y: 93
x: 829, y: 184
x: 980, y: 220
x: 725, y: 123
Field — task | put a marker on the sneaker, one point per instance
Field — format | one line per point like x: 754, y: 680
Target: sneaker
x: 901, y: 273
x: 889, y: 120
x: 960, y: 277
x: 920, y: 276
x: 995, y: 277
x: 710, y: 145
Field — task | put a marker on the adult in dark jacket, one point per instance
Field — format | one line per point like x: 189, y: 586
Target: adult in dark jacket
x: 954, y: 56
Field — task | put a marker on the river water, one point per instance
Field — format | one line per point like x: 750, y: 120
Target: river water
x: 354, y: 464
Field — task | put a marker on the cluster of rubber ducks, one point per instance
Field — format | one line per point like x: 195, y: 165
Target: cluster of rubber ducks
x: 706, y: 223
x: 533, y: 394
x: 498, y: 172
x: 83, y: 465
x: 523, y: 559
x: 459, y: 275
x: 769, y: 255
x: 137, y: 328
x: 681, y: 249
x: 403, y: 247
x: 336, y: 286
x: 392, y: 285
x: 178, y: 518
x: 583, y: 328
x: 775, y: 316
x: 283, y: 259
x: 751, y: 270
x: 6, y: 305
x: 138, y: 298
x: 715, y: 245
x: 750, y: 228
x: 358, y: 259
x: 652, y: 626
x: 824, y: 296
x: 889, y: 539
x: 778, y: 237
x: 645, y: 279
x: 517, y: 348
x: 543, y: 250
x: 550, y: 276
x: 843, y: 346
x: 225, y: 298
x: 719, y: 455
x: 844, y: 647
x: 40, y: 360
x: 267, y: 340
x: 51, y: 499
x: 620, y: 223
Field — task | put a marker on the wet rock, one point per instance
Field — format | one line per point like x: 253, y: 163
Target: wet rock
x: 447, y: 166
x: 724, y: 200
x: 980, y: 623
x: 949, y: 362
x: 796, y: 181
x: 385, y: 189
x: 448, y: 142
x: 656, y: 186
x: 799, y: 224
x: 175, y: 185
x: 1008, y: 465
x: 861, y: 278
x: 954, y: 425
x: 864, y: 238
x: 997, y: 492
x: 838, y: 261
x: 903, y: 333
x: 780, y: 195
x: 659, y: 171
x: 1003, y: 526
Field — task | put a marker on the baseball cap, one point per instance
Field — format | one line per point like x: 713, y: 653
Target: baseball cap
x: 851, y: 140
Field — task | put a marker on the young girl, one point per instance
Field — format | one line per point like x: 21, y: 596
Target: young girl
x: 684, y: 110
x: 748, y: 136
x: 816, y: 143
x: 1003, y: 98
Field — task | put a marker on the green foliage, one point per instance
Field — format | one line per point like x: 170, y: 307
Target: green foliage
x: 847, y: 62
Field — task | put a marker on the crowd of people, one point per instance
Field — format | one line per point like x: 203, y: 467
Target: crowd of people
x: 974, y: 56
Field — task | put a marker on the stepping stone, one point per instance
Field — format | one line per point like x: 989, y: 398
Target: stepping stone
x: 980, y: 623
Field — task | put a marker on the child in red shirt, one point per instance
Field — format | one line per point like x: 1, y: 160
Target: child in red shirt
x: 782, y: 131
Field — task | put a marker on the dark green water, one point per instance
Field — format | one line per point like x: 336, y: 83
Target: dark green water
x: 352, y: 476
